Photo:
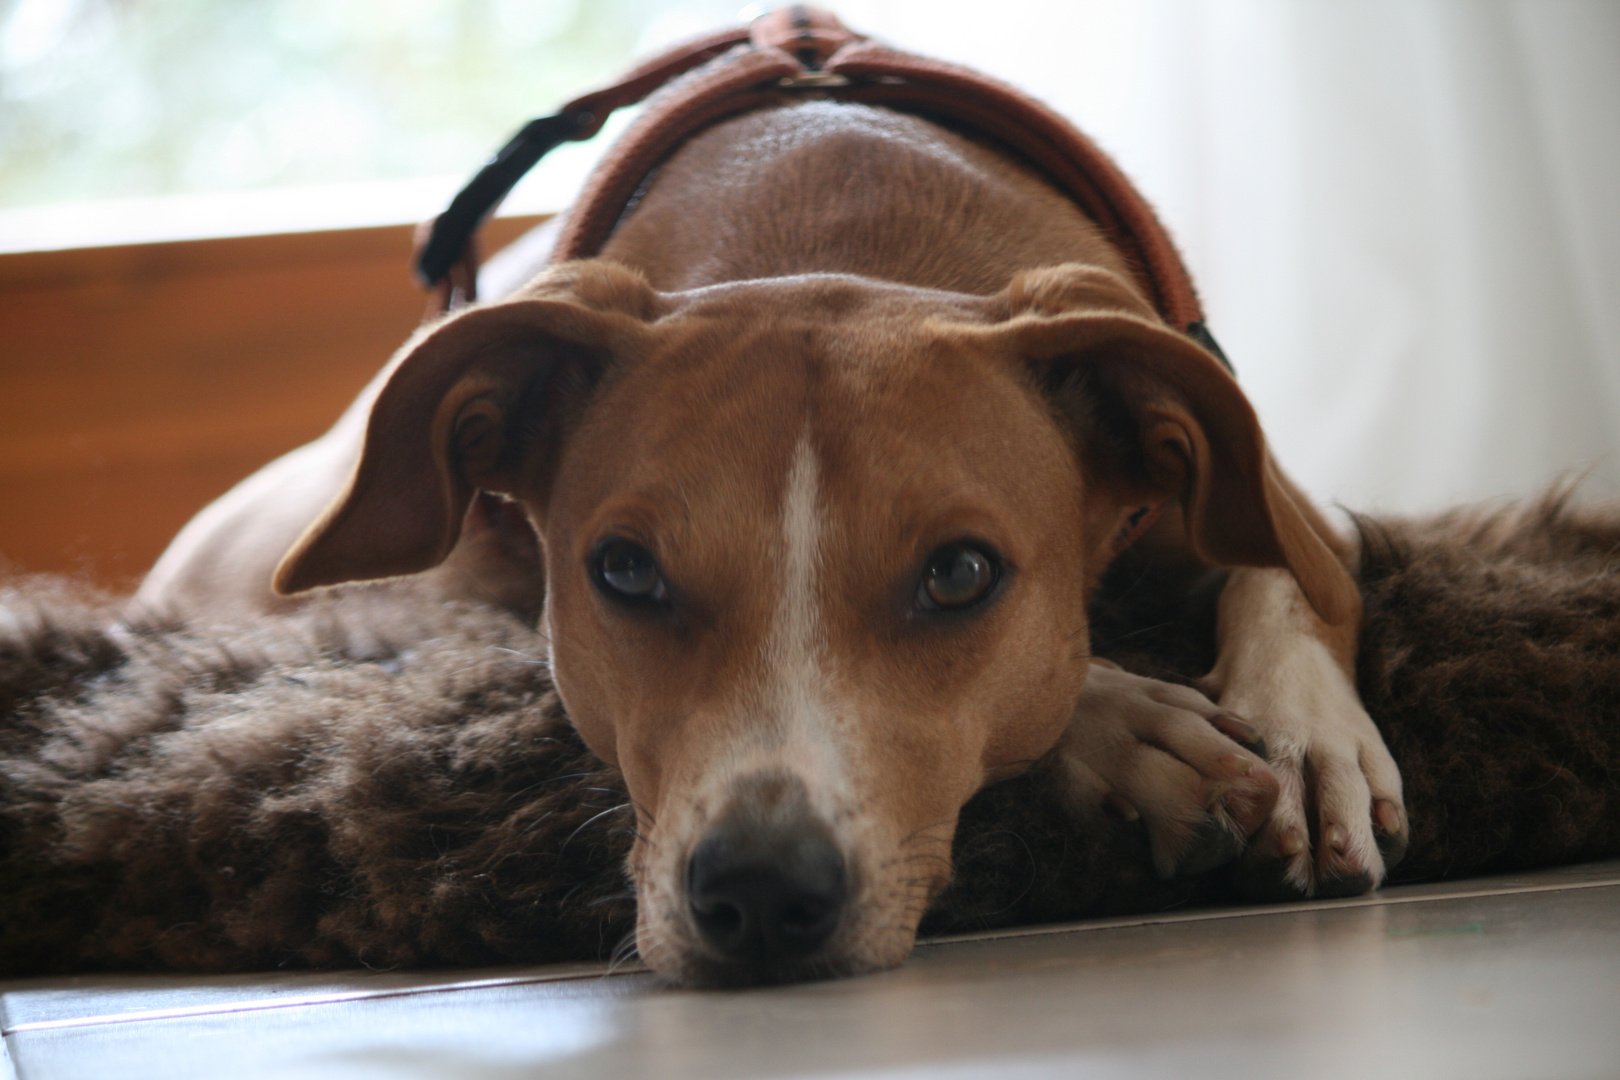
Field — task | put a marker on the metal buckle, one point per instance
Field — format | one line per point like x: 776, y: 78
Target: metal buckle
x: 811, y: 80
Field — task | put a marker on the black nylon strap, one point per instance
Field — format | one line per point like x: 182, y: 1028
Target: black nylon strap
x: 1199, y: 332
x: 453, y: 229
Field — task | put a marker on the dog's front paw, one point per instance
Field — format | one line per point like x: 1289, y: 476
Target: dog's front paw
x: 1339, y: 824
x: 1168, y: 756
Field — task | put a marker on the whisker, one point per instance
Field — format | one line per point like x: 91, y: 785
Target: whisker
x: 588, y: 822
x: 623, y: 953
x: 550, y: 780
x: 943, y: 823
x: 1138, y: 632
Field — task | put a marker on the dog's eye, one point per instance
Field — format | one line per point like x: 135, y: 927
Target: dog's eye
x: 625, y: 570
x: 957, y: 576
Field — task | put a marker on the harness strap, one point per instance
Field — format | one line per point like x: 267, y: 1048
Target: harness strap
x: 743, y: 81
x: 808, y: 34
x: 444, y: 248
x: 792, y: 51
x: 1070, y: 160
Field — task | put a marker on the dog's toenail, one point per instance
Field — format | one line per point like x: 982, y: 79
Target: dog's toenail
x: 1239, y: 727
x: 1240, y: 731
x: 1389, y: 818
x: 1211, y: 845
x: 1335, y: 837
x: 1237, y: 764
x: 1291, y: 842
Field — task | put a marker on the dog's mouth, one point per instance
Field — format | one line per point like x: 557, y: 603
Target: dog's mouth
x: 769, y: 894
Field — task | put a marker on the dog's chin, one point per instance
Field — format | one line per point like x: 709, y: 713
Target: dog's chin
x: 678, y: 957
x: 711, y: 974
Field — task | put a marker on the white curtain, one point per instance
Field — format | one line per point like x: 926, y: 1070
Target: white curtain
x: 1404, y: 214
x: 1406, y: 218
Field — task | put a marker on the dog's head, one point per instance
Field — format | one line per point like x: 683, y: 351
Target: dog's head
x: 817, y: 555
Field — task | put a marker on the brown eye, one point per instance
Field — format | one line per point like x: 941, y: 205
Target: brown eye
x: 957, y: 576
x: 625, y: 570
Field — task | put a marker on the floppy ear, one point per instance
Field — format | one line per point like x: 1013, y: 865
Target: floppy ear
x: 466, y: 395
x: 1192, y: 434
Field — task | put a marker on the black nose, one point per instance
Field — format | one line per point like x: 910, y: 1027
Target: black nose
x: 765, y: 891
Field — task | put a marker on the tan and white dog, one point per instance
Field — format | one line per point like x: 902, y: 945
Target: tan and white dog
x: 825, y: 456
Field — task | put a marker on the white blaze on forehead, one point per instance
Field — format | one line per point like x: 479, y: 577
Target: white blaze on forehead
x: 797, y: 632
x: 796, y: 657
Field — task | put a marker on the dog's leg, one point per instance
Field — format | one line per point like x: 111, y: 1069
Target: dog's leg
x: 1165, y: 754
x: 1339, y: 823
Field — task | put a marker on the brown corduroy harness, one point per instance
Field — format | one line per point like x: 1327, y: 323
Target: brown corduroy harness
x: 799, y: 49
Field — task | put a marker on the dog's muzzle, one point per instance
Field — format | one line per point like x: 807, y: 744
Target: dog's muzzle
x: 767, y: 885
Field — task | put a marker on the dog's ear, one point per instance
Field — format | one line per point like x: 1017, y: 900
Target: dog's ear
x: 1180, y: 426
x: 464, y: 399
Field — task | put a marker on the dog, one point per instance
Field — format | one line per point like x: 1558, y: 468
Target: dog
x: 807, y: 480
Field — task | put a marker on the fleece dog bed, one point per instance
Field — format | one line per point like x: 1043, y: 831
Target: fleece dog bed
x: 382, y: 779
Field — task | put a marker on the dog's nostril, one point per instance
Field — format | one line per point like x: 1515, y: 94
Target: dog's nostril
x: 720, y: 918
x: 764, y: 895
x: 804, y: 918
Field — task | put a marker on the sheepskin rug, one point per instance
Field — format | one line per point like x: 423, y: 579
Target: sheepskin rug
x: 382, y: 779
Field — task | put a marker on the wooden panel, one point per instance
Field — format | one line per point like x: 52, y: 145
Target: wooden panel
x: 138, y: 383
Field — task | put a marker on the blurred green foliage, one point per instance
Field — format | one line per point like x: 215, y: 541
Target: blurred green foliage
x: 115, y: 98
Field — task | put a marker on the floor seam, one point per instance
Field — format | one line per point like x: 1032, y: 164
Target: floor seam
x: 1211, y: 914
x: 293, y: 1001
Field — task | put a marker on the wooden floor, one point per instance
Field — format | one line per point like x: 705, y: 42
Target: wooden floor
x: 1514, y: 977
x: 138, y: 383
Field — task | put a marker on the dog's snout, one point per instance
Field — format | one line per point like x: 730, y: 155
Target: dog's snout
x: 774, y: 892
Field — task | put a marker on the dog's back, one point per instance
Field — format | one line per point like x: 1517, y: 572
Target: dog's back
x: 829, y: 187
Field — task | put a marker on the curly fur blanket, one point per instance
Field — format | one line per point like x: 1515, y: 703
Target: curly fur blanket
x: 383, y: 780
